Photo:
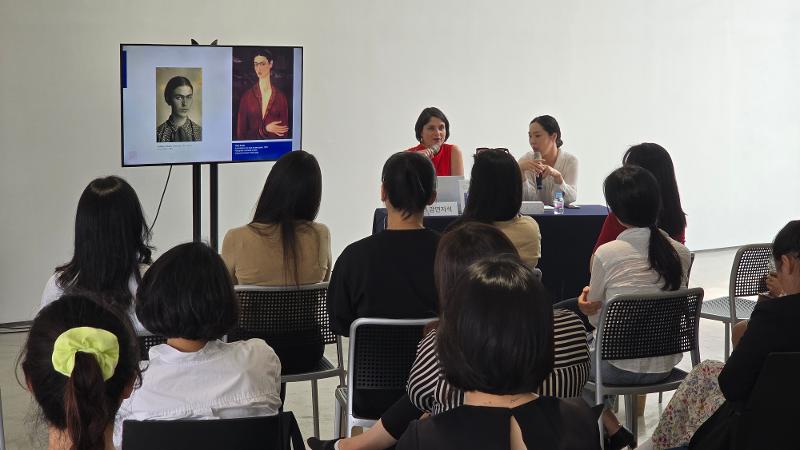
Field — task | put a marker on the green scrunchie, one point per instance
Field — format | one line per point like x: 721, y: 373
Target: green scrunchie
x: 100, y: 343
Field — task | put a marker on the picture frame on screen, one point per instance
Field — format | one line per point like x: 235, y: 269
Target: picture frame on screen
x: 189, y: 104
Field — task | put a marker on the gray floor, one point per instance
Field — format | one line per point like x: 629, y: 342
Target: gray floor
x: 711, y: 270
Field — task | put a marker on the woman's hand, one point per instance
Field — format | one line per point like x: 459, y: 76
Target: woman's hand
x: 530, y: 165
x: 275, y: 128
x: 587, y: 307
x: 774, y: 286
x: 548, y: 171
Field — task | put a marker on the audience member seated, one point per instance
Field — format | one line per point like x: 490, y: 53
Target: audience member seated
x: 712, y: 383
x: 428, y: 391
x: 672, y: 219
x: 499, y: 308
x: 111, y: 248
x: 557, y: 168
x: 188, y: 297
x: 642, y: 260
x: 495, y: 197
x: 283, y: 245
x: 432, y: 130
x: 390, y: 274
x: 79, y: 362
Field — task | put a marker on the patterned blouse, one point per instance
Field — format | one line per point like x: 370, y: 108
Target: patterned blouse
x: 189, y: 131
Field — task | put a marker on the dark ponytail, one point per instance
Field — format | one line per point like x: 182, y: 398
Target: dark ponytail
x: 633, y: 195
x: 409, y: 181
x: 86, y: 417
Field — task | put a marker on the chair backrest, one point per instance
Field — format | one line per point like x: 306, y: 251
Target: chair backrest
x: 285, y: 315
x: 381, y: 354
x: 643, y: 326
x: 750, y: 270
x: 249, y: 433
x: 147, y: 341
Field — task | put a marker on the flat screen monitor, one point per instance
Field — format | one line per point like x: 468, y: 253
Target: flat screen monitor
x: 186, y: 104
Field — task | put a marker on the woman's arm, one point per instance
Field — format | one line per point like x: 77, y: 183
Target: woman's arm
x: 456, y: 162
x: 569, y: 181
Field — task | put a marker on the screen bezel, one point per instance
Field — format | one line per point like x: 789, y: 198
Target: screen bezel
x: 121, y: 118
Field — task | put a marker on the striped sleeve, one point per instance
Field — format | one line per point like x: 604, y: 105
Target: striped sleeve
x: 571, y: 351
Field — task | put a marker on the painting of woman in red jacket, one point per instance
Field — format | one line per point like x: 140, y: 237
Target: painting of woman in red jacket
x: 263, y: 109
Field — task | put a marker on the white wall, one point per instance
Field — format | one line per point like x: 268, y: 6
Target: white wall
x: 714, y: 81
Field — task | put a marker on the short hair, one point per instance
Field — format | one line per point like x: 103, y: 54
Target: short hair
x: 550, y: 125
x: 656, y: 159
x: 82, y: 405
x: 187, y: 293
x: 409, y: 180
x: 461, y: 246
x: 174, y: 83
x: 787, y: 241
x: 265, y: 53
x: 495, y: 188
x: 425, y: 116
x: 496, y: 333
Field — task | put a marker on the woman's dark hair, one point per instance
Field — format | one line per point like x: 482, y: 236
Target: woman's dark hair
x: 111, y: 241
x: 496, y: 332
x: 461, y: 246
x: 290, y: 199
x: 656, y: 159
x: 787, y: 241
x: 265, y: 53
x: 174, y: 83
x: 425, y: 116
x: 550, y: 125
x: 633, y: 195
x: 409, y: 181
x: 187, y: 293
x: 82, y: 405
x: 495, y: 188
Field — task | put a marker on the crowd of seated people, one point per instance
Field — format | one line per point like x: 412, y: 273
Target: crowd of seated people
x: 503, y: 366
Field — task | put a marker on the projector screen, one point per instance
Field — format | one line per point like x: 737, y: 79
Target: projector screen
x: 184, y: 104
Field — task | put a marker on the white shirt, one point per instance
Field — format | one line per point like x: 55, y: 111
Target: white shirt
x: 52, y: 292
x: 622, y: 267
x: 567, y: 165
x: 221, y: 380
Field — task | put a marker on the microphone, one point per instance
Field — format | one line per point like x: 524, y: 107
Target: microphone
x: 538, y: 157
x: 435, y: 148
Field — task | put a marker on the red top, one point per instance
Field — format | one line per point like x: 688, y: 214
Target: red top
x: 250, y: 124
x: 612, y: 228
x: 441, y: 160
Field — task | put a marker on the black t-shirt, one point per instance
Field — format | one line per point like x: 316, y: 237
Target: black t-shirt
x: 387, y: 275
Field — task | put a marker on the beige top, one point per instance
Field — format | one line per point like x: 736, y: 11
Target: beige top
x: 254, y: 255
x: 524, y: 233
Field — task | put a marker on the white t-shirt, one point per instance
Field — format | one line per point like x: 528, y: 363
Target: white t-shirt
x: 52, y: 292
x: 220, y: 381
x: 567, y: 165
x: 621, y: 267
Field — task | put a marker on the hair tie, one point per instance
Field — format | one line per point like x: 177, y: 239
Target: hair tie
x: 102, y: 344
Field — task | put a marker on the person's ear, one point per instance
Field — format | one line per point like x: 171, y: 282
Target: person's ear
x: 432, y: 199
x: 383, y: 193
x: 791, y: 263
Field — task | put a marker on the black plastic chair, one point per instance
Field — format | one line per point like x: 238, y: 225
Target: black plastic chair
x: 380, y: 358
x: 291, y: 316
x: 146, y: 341
x: 278, y: 432
x: 645, y: 326
x: 748, y: 278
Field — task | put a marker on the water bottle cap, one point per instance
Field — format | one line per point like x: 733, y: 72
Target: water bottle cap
x: 559, y: 194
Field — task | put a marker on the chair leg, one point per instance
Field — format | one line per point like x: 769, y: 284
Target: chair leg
x: 2, y: 432
x: 630, y: 415
x: 315, y: 407
x: 660, y: 397
x: 337, y: 420
x: 727, y: 340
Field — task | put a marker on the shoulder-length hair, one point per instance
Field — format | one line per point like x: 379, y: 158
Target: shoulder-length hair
x: 495, y: 188
x: 111, y: 241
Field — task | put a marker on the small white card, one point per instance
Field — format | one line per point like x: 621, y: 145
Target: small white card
x: 442, y: 209
x: 532, y: 208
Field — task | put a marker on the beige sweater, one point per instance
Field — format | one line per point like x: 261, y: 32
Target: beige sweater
x: 254, y: 255
x: 523, y: 232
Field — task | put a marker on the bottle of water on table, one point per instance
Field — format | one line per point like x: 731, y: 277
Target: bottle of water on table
x: 558, y: 203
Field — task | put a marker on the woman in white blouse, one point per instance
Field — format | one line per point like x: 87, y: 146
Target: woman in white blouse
x: 557, y: 168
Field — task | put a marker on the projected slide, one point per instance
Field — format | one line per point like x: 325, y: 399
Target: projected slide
x: 196, y: 104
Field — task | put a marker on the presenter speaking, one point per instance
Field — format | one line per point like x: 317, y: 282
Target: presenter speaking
x: 432, y: 130
x: 547, y: 169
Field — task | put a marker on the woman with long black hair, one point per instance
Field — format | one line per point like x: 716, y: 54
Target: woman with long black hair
x: 111, y: 247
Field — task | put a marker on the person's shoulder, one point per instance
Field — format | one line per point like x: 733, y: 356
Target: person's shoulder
x: 527, y: 221
x: 528, y: 155
x: 255, y: 351
x: 568, y: 157
x: 320, y: 228
x: 239, y: 233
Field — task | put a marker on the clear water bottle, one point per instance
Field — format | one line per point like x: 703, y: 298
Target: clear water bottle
x: 558, y: 203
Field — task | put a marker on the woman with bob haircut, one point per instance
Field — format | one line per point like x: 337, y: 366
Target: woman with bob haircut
x: 500, y: 308
x: 642, y: 260
x: 187, y: 297
x: 433, y: 130
x: 428, y: 391
x: 111, y: 248
x: 672, y: 219
x: 557, y: 169
x: 495, y: 197
x: 179, y: 95
x: 80, y: 361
